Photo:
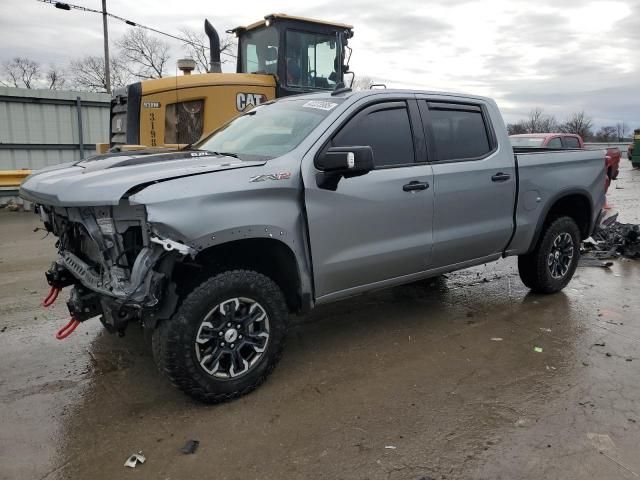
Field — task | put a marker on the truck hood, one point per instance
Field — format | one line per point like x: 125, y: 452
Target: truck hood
x: 105, y: 179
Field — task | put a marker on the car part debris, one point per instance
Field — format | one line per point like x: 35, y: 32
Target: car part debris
x: 134, y: 460
x: 190, y: 447
x: 613, y: 239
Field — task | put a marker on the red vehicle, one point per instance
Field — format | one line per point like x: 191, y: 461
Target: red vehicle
x: 613, y: 162
x: 567, y: 140
x: 547, y: 140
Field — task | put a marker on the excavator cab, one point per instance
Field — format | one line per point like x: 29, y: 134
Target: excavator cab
x: 277, y: 56
x: 303, y: 54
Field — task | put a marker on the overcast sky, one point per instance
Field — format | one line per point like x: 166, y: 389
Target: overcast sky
x: 563, y: 56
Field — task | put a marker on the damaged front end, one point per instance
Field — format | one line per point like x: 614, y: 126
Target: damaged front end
x: 119, y: 265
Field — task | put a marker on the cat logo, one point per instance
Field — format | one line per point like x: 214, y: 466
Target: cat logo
x: 246, y: 101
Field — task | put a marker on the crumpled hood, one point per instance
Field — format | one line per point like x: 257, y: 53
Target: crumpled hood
x: 105, y: 179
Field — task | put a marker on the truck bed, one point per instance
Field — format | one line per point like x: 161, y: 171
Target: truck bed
x: 579, y: 171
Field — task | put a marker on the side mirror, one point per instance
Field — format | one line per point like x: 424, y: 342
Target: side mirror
x: 347, y: 161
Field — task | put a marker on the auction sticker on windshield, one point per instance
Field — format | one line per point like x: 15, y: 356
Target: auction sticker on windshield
x: 320, y: 105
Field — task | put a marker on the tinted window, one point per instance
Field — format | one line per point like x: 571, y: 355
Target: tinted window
x: 571, y: 142
x: 387, y: 132
x: 554, y: 143
x: 459, y: 134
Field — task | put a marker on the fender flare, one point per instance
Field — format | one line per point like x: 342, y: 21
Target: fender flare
x: 550, y: 203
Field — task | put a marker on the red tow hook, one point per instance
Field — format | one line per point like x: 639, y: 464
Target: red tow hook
x: 51, y: 297
x: 68, y: 329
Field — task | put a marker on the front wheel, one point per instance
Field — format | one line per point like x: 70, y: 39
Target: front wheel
x: 225, y: 338
x: 551, y: 265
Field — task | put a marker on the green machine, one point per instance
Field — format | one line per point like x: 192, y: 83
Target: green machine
x: 635, y: 156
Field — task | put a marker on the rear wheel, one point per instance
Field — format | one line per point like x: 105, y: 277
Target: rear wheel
x: 225, y: 338
x: 550, y: 267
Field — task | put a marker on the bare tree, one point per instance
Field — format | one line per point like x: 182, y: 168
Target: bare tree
x: 144, y: 56
x: 540, y: 122
x: 621, y: 130
x: 198, y: 50
x: 87, y: 73
x: 607, y: 134
x: 578, y: 123
x: 55, y: 77
x: 20, y: 72
x: 516, y: 128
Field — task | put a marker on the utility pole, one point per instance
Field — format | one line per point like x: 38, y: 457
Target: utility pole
x: 107, y: 70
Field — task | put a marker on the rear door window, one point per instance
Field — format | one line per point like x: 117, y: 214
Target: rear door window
x: 571, y: 142
x: 459, y: 131
x: 555, y: 142
x: 386, y: 129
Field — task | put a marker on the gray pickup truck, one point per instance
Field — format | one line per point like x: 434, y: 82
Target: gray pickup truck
x: 301, y: 202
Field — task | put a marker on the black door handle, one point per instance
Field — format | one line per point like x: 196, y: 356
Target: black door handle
x: 415, y: 185
x: 500, y: 177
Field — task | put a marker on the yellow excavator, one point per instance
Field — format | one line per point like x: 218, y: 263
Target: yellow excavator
x: 278, y: 56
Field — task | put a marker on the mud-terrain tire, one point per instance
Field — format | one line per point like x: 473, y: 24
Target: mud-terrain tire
x: 551, y: 265
x: 199, y: 327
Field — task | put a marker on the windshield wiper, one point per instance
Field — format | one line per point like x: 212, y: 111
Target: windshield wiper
x: 226, y: 154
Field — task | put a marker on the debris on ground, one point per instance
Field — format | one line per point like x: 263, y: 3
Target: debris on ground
x: 134, y: 460
x: 537, y: 349
x: 190, y: 447
x: 496, y: 339
x: 612, y: 239
x: 12, y: 206
x: 390, y: 447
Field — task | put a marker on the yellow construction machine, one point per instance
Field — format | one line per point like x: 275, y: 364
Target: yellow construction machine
x: 277, y: 56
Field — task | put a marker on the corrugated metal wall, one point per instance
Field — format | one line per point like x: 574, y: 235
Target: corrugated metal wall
x: 40, y: 127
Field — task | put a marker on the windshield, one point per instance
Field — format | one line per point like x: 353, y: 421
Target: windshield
x: 259, y: 50
x: 527, y: 141
x: 269, y: 130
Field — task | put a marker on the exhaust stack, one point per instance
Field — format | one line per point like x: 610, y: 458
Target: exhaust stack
x: 214, y: 48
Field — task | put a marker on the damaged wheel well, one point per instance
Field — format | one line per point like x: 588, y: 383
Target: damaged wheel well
x: 270, y: 257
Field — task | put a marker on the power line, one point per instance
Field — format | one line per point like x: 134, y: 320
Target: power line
x: 69, y: 6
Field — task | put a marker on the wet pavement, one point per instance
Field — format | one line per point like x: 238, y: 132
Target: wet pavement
x: 435, y: 380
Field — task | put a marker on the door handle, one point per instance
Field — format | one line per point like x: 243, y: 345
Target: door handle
x: 500, y: 177
x: 414, y: 186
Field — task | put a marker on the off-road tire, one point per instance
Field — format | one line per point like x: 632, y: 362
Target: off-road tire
x: 533, y: 267
x: 173, y: 340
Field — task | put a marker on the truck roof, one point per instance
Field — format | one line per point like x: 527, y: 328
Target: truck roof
x: 355, y: 95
